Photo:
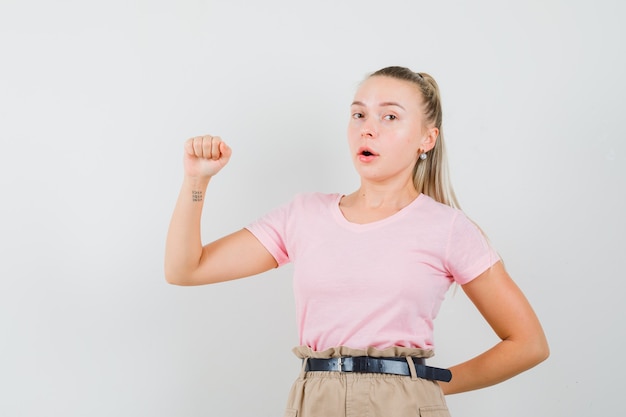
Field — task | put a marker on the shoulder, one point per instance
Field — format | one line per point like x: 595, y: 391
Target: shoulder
x: 450, y: 219
x: 315, y: 199
x: 439, y: 211
x: 303, y: 205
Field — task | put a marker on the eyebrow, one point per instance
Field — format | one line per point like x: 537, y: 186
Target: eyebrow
x: 383, y: 104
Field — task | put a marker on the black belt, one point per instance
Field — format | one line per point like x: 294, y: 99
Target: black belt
x: 367, y: 364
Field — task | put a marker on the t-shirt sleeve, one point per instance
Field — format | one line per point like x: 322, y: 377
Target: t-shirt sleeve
x: 469, y: 253
x: 271, y: 231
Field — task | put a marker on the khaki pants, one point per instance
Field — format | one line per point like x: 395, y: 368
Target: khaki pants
x: 338, y: 394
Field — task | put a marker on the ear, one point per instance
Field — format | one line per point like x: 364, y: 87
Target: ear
x: 428, y: 141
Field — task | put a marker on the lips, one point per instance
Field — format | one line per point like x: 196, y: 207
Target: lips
x: 366, y: 154
x: 364, y: 151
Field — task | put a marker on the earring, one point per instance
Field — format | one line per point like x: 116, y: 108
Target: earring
x: 423, y: 156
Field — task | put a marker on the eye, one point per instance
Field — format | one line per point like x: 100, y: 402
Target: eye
x: 390, y: 117
x: 357, y: 115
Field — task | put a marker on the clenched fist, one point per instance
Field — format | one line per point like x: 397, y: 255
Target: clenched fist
x: 205, y: 156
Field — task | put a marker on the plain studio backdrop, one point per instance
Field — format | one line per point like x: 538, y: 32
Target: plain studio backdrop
x: 97, y: 98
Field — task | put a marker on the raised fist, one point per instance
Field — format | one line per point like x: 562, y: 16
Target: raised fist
x: 205, y: 156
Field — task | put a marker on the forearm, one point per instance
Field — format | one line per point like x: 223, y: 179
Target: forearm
x: 183, y: 248
x: 505, y: 360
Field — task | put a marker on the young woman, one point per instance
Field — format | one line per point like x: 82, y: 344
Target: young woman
x: 370, y: 268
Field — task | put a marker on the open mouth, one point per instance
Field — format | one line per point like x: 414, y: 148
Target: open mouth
x: 366, y: 152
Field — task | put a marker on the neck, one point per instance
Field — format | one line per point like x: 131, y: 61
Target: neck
x: 375, y: 196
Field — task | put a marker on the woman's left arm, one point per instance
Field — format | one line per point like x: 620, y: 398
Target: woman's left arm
x: 523, y: 343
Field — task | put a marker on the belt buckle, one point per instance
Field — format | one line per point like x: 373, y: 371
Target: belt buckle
x: 339, y: 365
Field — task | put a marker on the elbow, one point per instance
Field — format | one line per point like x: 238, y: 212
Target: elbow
x: 186, y: 278
x: 179, y: 280
x: 544, y: 352
x: 530, y: 351
x: 176, y: 277
x: 173, y: 279
x: 538, y: 351
x: 177, y: 272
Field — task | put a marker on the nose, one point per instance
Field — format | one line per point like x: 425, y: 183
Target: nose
x: 369, y: 129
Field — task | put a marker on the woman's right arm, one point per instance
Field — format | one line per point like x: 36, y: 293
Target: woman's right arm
x: 234, y: 256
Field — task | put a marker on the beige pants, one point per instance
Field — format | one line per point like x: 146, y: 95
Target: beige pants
x: 338, y: 394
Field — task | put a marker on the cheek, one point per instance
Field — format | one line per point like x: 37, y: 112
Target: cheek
x: 352, y: 127
x: 353, y: 132
x: 352, y: 143
x: 406, y: 138
x: 412, y: 137
x: 413, y: 143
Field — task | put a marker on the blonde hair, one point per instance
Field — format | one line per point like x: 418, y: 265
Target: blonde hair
x: 430, y: 175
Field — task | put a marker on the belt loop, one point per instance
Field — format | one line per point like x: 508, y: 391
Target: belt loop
x: 305, y: 362
x: 409, y: 361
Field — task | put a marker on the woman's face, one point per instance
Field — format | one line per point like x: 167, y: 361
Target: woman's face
x: 387, y: 131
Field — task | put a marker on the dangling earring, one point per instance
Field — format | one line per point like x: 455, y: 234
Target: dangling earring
x: 423, y: 156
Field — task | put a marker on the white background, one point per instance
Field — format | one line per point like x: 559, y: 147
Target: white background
x: 97, y: 98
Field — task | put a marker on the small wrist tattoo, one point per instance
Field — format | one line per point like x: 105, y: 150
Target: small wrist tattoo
x: 196, y: 196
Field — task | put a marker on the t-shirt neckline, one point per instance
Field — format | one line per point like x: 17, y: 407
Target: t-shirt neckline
x: 341, y: 219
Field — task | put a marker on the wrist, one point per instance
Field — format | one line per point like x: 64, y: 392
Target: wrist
x: 196, y: 183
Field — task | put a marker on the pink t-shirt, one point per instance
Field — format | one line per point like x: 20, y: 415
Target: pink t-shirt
x: 378, y: 284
